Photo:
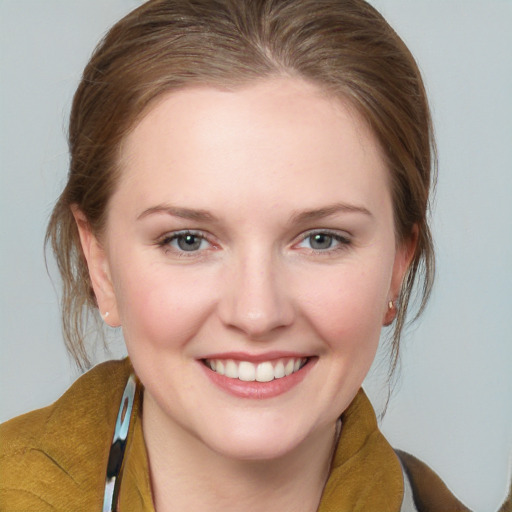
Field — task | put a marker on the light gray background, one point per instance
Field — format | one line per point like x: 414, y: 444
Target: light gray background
x: 453, y: 403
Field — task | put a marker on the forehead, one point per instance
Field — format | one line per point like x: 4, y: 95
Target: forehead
x: 279, y: 138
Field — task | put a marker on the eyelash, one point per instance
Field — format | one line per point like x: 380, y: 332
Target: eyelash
x: 165, y: 242
x: 342, y: 242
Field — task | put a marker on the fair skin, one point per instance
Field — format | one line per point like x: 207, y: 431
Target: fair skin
x: 251, y: 231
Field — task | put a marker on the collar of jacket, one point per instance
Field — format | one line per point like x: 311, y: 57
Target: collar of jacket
x: 365, y: 474
x: 55, y: 458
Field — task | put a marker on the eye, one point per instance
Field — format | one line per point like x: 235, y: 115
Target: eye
x: 320, y: 241
x: 185, y: 241
x: 324, y: 241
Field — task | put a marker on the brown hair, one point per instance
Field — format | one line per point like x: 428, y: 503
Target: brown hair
x: 344, y: 46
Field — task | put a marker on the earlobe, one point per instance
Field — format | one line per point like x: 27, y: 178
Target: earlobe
x: 99, y: 270
x: 403, y: 257
x: 390, y: 314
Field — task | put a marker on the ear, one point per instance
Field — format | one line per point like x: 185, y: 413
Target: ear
x: 99, y: 270
x: 404, y: 254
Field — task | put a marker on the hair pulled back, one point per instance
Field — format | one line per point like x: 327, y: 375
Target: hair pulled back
x: 343, y: 46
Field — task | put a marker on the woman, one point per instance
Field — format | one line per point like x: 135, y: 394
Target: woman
x: 248, y: 199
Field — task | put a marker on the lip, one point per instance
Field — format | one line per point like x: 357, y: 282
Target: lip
x: 257, y: 390
x: 257, y: 358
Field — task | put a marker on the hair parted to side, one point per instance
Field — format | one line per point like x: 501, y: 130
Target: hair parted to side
x: 343, y: 46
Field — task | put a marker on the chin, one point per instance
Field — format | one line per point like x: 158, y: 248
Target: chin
x: 264, y: 449
x: 255, y: 442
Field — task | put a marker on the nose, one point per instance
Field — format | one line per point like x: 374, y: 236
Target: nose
x: 255, y: 299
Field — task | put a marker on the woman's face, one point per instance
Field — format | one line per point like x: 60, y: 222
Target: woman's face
x: 249, y: 255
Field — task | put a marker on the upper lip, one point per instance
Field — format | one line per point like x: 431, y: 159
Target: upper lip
x: 257, y: 358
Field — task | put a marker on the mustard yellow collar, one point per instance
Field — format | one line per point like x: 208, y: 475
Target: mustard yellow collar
x: 365, y: 474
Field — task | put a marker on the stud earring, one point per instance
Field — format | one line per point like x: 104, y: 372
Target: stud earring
x: 105, y: 315
x: 391, y: 313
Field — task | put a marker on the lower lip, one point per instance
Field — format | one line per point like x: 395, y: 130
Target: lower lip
x: 259, y: 390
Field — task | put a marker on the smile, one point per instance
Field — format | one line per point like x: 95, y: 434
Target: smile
x: 264, y: 371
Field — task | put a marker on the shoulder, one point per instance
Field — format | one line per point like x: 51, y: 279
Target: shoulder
x: 429, y: 492
x: 55, y: 458
x: 367, y: 474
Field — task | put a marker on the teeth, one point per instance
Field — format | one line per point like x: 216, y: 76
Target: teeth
x: 279, y: 370
x: 231, y: 370
x: 250, y: 372
x: 265, y: 372
x: 246, y: 371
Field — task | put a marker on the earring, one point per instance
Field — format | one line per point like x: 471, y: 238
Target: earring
x: 391, y: 313
x: 105, y: 315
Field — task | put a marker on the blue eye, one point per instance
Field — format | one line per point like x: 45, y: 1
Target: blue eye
x: 324, y: 241
x: 185, y: 241
x: 321, y: 241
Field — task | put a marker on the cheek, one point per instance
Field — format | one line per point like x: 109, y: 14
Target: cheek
x: 161, y: 306
x: 345, y: 306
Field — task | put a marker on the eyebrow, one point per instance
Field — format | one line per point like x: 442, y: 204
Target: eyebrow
x: 320, y: 213
x: 295, y: 218
x: 176, y: 211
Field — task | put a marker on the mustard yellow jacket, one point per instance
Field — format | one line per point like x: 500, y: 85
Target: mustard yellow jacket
x: 54, y: 459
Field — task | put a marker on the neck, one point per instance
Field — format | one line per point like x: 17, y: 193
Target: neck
x: 187, y: 475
